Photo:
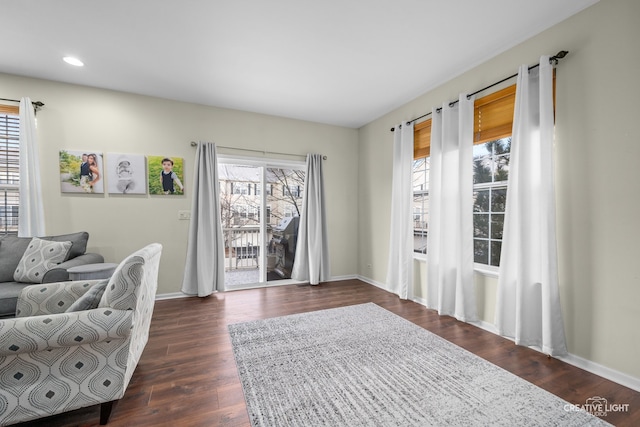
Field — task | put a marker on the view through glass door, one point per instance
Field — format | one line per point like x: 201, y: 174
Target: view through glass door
x: 260, y: 204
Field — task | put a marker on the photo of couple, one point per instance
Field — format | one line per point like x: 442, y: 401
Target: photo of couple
x: 81, y: 172
x: 84, y: 172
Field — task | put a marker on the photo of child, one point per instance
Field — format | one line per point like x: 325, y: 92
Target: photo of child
x: 165, y: 175
x: 126, y: 173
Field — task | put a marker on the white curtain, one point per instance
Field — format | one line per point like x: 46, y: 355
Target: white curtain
x: 204, y: 269
x: 450, y: 288
x: 312, y: 251
x: 400, y: 266
x: 30, y: 211
x: 528, y: 303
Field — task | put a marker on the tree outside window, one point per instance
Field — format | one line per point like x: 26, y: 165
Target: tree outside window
x: 490, y: 175
x: 240, y: 191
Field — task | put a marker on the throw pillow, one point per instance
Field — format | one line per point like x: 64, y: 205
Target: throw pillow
x: 40, y: 257
x: 90, y: 299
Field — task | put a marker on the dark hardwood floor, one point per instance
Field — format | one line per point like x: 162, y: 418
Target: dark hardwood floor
x: 187, y: 374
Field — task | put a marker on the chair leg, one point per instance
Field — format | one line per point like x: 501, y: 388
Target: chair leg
x: 105, y: 411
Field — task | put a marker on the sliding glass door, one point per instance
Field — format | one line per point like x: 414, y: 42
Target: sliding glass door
x: 260, y: 203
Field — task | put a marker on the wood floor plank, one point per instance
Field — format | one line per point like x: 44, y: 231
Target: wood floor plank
x: 187, y: 374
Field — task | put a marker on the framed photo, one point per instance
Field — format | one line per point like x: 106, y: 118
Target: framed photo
x: 81, y: 172
x: 126, y: 174
x: 165, y: 175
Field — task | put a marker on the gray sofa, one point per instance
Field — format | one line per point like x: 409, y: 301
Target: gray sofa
x: 11, y: 250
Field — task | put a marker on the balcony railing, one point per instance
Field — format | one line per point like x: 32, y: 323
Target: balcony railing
x: 242, y: 247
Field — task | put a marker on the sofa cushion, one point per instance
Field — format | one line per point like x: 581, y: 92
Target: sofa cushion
x: 39, y: 257
x: 11, y: 250
x: 78, y: 242
x: 90, y: 299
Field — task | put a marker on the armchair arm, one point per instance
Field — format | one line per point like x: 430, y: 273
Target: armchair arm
x: 32, y: 334
x: 60, y: 274
x: 50, y: 298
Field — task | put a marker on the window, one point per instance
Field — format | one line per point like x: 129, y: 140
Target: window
x: 240, y: 188
x: 253, y: 212
x: 292, y: 191
x: 493, y: 120
x: 420, y: 204
x: 290, y: 211
x: 9, y: 169
x: 490, y: 175
x: 256, y: 189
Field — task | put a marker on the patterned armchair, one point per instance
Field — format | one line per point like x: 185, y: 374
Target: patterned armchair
x: 53, y: 361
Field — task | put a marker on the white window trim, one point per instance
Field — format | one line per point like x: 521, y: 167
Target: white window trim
x: 486, y: 270
x: 420, y: 257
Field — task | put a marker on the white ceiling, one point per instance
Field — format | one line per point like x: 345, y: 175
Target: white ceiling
x: 342, y: 62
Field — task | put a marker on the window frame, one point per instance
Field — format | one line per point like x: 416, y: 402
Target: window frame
x: 422, y: 192
x: 491, y: 186
x: 10, y: 133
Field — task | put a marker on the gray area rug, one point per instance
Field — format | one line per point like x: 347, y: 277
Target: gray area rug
x: 364, y: 366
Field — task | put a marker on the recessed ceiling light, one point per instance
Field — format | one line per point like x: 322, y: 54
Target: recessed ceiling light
x: 73, y: 61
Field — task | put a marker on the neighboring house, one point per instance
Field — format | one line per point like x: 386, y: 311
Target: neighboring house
x: 241, y: 195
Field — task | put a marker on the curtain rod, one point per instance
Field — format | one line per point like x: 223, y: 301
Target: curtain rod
x: 553, y: 59
x: 193, y: 144
x: 36, y: 104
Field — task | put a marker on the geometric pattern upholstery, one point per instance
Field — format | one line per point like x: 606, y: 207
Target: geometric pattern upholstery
x: 51, y: 298
x: 40, y: 257
x: 90, y: 299
x: 53, y: 362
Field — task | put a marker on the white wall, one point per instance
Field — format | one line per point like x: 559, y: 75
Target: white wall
x: 83, y: 118
x: 597, y: 172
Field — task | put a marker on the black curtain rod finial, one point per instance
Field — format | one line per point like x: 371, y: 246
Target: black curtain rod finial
x: 554, y: 59
x: 36, y: 104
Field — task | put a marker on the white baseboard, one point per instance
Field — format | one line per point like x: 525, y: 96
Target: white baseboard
x: 373, y: 282
x: 580, y: 362
x: 600, y: 370
x: 339, y: 278
x: 171, y: 295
